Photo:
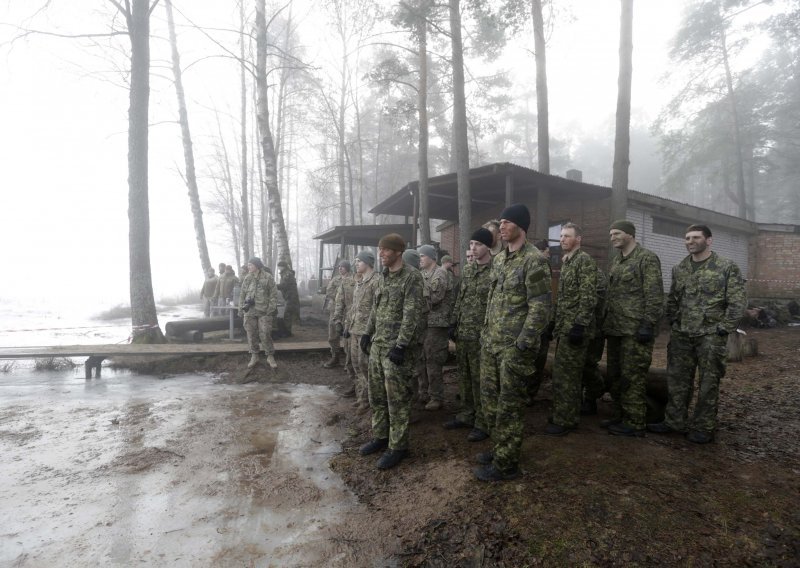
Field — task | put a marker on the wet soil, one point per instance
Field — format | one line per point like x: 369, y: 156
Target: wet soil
x: 198, y: 469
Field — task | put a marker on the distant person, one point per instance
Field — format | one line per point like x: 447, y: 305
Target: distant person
x: 439, y: 287
x: 342, y: 272
x: 450, y: 266
x: 208, y: 292
x: 517, y: 313
x: 221, y: 267
x: 469, y: 255
x: 288, y: 288
x: 574, y: 325
x: 706, y: 300
x: 466, y: 327
x: 412, y: 259
x: 356, y: 322
x: 634, y: 307
x: 258, y: 301
x: 342, y: 305
x: 227, y: 282
x: 390, y: 339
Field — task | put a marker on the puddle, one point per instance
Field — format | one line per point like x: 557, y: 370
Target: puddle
x: 134, y: 469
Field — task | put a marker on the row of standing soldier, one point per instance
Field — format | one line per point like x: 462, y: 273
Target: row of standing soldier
x: 396, y: 323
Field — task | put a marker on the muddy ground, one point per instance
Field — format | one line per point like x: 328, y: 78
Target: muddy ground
x: 583, y: 500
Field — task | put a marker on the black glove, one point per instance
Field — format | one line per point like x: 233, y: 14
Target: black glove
x: 645, y: 333
x: 575, y: 334
x: 346, y: 334
x: 397, y: 355
x: 339, y: 329
x: 365, y: 342
x: 548, y: 332
x: 722, y: 332
x: 451, y: 333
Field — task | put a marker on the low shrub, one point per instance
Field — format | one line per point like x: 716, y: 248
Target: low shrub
x: 117, y: 312
x: 53, y: 364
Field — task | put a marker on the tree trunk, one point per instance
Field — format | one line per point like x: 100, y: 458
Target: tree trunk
x: 622, y: 141
x: 340, y: 137
x: 248, y: 240
x: 188, y: 152
x: 143, y: 306
x: 267, y: 144
x: 460, y: 140
x: 543, y: 113
x: 422, y: 104
x: 741, y: 196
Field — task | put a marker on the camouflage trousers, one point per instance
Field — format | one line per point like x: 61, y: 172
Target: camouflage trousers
x: 685, y: 354
x: 628, y: 365
x: 468, y: 356
x: 360, y: 362
x: 535, y: 380
x: 429, y: 368
x: 503, y: 390
x: 594, y: 384
x: 259, y: 327
x: 567, y: 381
x: 390, y: 395
x: 333, y: 338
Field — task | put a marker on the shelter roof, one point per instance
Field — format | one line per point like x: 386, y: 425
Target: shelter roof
x: 363, y: 235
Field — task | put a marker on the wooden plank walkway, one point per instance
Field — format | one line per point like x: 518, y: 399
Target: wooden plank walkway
x: 159, y: 349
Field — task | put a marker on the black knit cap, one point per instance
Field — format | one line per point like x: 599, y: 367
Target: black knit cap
x: 624, y: 226
x: 255, y: 261
x: 483, y: 236
x: 517, y: 214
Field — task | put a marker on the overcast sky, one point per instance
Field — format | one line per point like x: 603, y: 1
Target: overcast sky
x: 63, y: 120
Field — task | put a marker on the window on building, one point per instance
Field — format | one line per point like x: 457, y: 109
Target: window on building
x: 669, y: 227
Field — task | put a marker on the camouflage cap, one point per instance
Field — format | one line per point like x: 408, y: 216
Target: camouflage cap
x: 448, y: 258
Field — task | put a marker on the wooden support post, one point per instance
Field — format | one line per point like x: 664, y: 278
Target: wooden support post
x: 509, y: 189
x: 93, y: 362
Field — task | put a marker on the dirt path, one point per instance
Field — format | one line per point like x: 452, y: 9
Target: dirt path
x: 200, y: 471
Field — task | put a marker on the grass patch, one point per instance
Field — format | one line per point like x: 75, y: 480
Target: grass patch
x: 188, y: 296
x: 117, y: 312
x: 53, y: 364
x: 7, y: 366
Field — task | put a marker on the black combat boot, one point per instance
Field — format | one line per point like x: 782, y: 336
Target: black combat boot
x: 373, y: 446
x: 391, y: 458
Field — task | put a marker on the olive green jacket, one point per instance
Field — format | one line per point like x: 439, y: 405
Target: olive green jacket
x: 518, y: 307
x: 577, y: 294
x: 709, y: 298
x: 357, y: 317
x: 397, y: 308
x: 635, y: 293
x: 469, y: 313
x: 439, y: 285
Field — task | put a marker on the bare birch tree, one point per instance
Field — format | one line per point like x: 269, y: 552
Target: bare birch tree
x: 622, y: 141
x: 460, y: 135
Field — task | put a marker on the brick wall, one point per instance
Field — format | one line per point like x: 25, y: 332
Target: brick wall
x: 775, y: 262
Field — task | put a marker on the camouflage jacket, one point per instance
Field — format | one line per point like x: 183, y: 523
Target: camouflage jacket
x: 518, y: 307
x: 635, y: 293
x: 344, y: 298
x: 259, y: 286
x: 703, y: 299
x: 397, y: 308
x: 357, y: 318
x: 288, y: 287
x: 577, y: 294
x: 469, y: 313
x: 330, y: 293
x: 439, y: 285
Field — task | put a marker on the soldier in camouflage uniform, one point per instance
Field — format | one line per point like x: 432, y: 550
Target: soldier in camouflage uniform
x: 517, y: 312
x: 574, y: 328
x: 288, y: 289
x: 594, y: 384
x: 391, y: 341
x: 411, y: 258
x: 535, y: 380
x: 356, y: 322
x: 344, y: 299
x: 705, y: 303
x: 342, y: 271
x: 466, y: 325
x: 439, y: 288
x: 258, y: 300
x: 633, y: 310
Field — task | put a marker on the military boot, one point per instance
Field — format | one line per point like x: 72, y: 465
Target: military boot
x: 333, y: 361
x: 253, y: 361
x: 271, y: 361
